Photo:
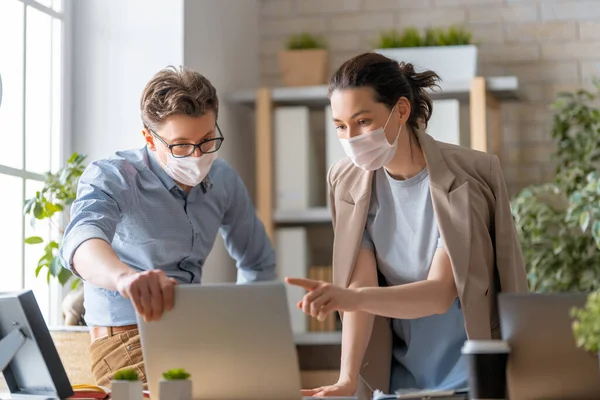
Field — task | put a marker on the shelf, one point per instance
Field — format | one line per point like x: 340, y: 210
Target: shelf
x: 502, y: 87
x: 318, y: 215
x: 318, y: 338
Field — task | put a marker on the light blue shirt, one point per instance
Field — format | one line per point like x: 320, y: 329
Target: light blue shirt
x: 403, y: 232
x: 130, y: 202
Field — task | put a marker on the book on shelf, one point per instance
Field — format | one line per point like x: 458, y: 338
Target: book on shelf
x: 322, y: 273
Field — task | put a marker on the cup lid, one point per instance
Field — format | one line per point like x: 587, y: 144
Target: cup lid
x: 485, y: 347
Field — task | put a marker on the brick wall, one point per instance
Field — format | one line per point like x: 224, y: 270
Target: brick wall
x: 550, y: 45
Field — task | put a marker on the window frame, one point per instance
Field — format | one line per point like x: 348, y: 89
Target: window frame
x: 55, y: 290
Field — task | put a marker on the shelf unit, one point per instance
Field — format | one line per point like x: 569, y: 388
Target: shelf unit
x: 483, y: 95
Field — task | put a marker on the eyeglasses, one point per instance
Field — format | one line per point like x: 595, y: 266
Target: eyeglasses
x: 182, y: 150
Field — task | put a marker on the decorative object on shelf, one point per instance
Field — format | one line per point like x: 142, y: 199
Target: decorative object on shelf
x: 126, y: 385
x: 52, y: 203
x: 449, y: 52
x: 586, y: 324
x: 175, y: 385
x: 305, y: 60
x: 558, y: 223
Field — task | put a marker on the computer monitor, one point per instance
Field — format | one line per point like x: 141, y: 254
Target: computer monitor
x: 28, y: 358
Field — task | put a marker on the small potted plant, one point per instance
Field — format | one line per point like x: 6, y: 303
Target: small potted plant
x: 175, y: 385
x: 586, y: 324
x: 447, y: 51
x: 126, y: 385
x: 305, y: 60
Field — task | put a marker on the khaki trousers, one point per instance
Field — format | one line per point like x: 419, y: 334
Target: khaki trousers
x: 112, y: 353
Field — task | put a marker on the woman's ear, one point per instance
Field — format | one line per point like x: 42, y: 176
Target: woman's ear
x: 149, y: 139
x: 403, y: 108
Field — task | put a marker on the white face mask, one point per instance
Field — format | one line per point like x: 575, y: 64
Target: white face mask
x: 371, y: 151
x: 190, y: 170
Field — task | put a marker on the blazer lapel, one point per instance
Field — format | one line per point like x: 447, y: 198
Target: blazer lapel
x: 352, y: 210
x: 452, y: 209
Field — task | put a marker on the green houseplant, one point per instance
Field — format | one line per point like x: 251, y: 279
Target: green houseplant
x: 558, y: 223
x: 304, y: 60
x: 52, y: 203
x: 448, y: 51
x: 175, y: 385
x: 126, y: 385
x: 586, y: 324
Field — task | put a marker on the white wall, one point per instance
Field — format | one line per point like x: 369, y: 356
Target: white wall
x: 221, y: 41
x: 117, y: 47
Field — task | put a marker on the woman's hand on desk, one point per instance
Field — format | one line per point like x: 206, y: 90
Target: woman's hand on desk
x: 340, y: 389
x: 323, y: 297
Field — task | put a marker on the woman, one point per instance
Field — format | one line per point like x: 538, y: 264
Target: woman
x: 424, y: 237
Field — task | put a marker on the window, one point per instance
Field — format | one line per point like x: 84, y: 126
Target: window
x: 31, y: 128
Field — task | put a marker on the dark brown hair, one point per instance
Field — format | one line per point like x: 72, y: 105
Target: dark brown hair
x: 175, y: 91
x: 390, y: 80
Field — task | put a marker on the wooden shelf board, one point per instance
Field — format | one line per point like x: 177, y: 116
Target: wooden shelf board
x: 318, y: 338
x: 317, y: 215
x: 501, y: 87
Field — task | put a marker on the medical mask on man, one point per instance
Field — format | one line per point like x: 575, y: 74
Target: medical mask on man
x: 189, y: 171
x: 371, y: 151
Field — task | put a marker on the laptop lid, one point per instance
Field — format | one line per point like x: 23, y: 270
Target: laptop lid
x: 544, y: 362
x: 236, y: 342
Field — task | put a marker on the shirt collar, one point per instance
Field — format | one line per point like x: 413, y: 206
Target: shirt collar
x: 159, y: 171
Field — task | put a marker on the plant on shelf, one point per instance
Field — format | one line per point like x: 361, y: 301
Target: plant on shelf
x: 586, y: 324
x: 558, y: 223
x: 305, y: 41
x: 450, y: 51
x: 412, y: 37
x: 304, y: 60
x: 52, y: 203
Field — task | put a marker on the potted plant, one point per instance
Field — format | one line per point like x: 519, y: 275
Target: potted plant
x: 586, y: 324
x: 447, y: 51
x: 175, y: 385
x: 558, y: 223
x: 52, y: 203
x: 126, y: 385
x: 305, y: 60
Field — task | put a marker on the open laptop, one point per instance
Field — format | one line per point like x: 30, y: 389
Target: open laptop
x: 236, y: 342
x: 544, y: 362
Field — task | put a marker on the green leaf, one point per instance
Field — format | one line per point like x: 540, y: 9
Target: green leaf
x: 64, y: 276
x: 50, y: 209
x: 38, y: 211
x: 596, y: 233
x: 75, y: 284
x: 584, y: 220
x: 45, y: 260
x: 55, y: 266
x: 38, y: 269
x: 28, y: 205
x: 50, y: 246
x: 34, y: 240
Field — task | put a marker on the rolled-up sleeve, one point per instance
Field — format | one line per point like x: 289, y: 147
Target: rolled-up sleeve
x: 245, y: 236
x: 101, y: 193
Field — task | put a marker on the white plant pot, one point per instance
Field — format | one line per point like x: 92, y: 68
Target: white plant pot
x: 126, y: 390
x: 180, y: 389
x: 451, y: 63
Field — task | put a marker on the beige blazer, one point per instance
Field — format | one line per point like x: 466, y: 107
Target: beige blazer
x: 472, y: 208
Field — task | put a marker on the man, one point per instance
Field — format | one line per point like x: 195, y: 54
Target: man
x: 145, y: 220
